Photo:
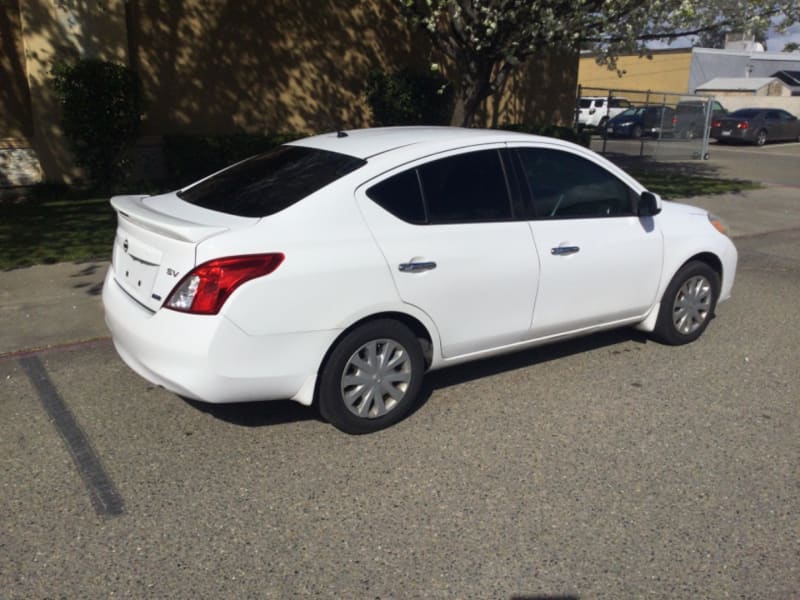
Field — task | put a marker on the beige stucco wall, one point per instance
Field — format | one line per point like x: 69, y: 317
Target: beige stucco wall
x: 226, y: 66
x: 15, y: 112
x: 61, y: 30
x: 666, y: 71
x: 541, y: 92
x: 219, y: 66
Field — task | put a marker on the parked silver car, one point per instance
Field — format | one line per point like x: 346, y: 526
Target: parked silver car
x: 756, y: 126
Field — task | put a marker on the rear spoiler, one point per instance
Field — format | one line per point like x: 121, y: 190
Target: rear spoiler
x: 135, y: 210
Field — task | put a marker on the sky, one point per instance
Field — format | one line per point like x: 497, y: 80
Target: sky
x: 775, y: 41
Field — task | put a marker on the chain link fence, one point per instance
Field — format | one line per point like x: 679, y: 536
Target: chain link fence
x: 658, y: 125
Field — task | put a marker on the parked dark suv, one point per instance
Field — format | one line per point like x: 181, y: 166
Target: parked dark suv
x: 690, y: 117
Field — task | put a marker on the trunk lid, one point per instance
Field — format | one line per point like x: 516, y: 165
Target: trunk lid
x: 156, y: 242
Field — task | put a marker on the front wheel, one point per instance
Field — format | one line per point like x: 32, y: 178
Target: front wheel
x: 688, y: 304
x: 372, y: 377
x: 761, y: 137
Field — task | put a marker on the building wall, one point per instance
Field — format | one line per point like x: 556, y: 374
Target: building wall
x: 15, y: 110
x: 220, y: 66
x: 229, y: 66
x: 18, y: 163
x: 665, y: 71
x: 736, y: 101
x: 709, y: 63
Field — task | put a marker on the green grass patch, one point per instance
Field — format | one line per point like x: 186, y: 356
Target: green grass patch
x: 680, y: 185
x: 35, y: 231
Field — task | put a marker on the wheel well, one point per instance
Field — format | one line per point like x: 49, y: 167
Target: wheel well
x: 712, y: 260
x: 416, y: 327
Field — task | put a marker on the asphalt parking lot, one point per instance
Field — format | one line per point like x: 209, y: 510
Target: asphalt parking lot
x: 774, y: 163
x: 607, y: 467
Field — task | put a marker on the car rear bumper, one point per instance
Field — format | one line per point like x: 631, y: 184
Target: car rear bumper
x: 733, y: 135
x: 207, y: 357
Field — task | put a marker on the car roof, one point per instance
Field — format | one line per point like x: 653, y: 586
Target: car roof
x: 367, y: 143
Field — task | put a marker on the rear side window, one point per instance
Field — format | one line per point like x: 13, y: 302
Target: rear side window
x: 268, y: 183
x: 466, y: 188
x: 401, y: 196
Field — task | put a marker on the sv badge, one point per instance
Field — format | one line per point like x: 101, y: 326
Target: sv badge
x: 172, y: 272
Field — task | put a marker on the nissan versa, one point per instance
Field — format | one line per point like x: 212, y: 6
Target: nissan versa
x: 339, y: 268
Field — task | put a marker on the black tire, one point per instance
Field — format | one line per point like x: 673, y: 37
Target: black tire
x: 690, y: 299
x: 603, y: 122
x: 384, y: 335
x: 761, y: 137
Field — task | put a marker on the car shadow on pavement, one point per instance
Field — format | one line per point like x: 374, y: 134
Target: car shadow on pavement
x: 525, y: 358
x: 262, y: 414
x: 258, y: 414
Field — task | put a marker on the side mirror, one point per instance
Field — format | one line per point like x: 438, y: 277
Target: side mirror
x: 649, y: 204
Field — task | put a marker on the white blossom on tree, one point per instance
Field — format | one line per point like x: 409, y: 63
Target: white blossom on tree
x: 486, y: 40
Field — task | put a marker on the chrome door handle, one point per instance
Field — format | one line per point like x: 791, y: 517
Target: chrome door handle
x: 416, y: 267
x: 564, y: 250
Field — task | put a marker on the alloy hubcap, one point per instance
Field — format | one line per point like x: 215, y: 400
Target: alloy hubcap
x: 376, y: 378
x: 692, y: 305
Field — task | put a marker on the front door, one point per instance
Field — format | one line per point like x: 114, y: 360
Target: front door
x: 600, y: 263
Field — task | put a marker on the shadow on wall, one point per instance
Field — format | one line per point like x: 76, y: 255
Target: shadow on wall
x: 15, y: 101
x: 256, y: 67
x: 53, y: 32
x: 542, y: 92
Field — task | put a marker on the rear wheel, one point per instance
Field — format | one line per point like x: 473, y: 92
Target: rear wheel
x: 761, y: 137
x: 371, y: 378
x: 688, y: 304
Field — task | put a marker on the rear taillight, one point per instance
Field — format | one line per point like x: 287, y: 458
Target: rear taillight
x: 206, y: 288
x: 674, y: 121
x: 742, y: 125
x: 716, y: 124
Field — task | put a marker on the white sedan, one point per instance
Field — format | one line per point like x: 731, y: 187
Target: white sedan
x: 339, y: 268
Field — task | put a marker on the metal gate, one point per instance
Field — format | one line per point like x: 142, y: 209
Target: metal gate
x: 659, y: 125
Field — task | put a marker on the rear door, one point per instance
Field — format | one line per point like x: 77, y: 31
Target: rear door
x: 600, y: 263
x: 457, y: 247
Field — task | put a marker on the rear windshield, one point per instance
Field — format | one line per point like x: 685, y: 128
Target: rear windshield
x: 268, y: 183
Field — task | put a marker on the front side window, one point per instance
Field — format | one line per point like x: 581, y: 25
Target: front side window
x: 268, y: 183
x: 566, y: 186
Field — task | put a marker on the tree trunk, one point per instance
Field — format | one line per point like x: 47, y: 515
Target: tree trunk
x: 469, y: 96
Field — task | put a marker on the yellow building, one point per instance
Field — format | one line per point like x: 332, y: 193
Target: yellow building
x: 665, y: 71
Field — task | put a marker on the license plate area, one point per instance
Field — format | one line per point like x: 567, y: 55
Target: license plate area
x: 136, y: 276
x: 726, y: 132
